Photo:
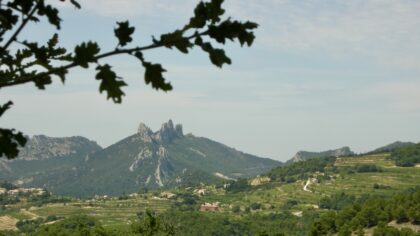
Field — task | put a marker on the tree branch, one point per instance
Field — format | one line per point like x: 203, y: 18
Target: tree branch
x: 22, y: 25
x: 98, y: 57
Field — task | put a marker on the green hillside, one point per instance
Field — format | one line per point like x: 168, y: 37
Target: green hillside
x: 298, y: 204
x: 145, y: 160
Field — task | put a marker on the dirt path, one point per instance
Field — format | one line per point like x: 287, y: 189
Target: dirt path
x: 308, y: 182
x: 305, y: 188
x: 30, y: 214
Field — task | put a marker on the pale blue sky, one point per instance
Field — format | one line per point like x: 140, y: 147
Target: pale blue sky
x: 322, y: 74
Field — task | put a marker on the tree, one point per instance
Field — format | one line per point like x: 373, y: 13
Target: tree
x: 149, y: 224
x: 25, y: 61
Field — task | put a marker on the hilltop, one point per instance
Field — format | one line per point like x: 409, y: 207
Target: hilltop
x: 392, y: 146
x: 305, y: 155
x: 165, y: 158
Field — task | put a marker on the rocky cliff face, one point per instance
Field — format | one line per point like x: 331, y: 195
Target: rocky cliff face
x: 41, y: 147
x: 304, y: 155
x: 47, y: 159
x: 167, y: 133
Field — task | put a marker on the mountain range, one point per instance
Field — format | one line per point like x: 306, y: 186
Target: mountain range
x: 166, y: 158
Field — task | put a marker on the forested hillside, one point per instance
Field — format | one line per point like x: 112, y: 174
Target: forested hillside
x: 407, y: 156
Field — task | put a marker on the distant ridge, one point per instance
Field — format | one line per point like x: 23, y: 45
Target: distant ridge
x: 165, y: 158
x: 392, y: 146
x: 305, y: 155
x: 40, y: 147
x: 43, y: 155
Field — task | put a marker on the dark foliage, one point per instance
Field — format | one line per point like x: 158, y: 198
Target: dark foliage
x: 198, y: 223
x: 239, y: 185
x: 383, y: 230
x: 373, y: 211
x: 149, y: 224
x: 365, y: 168
x: 407, y: 156
x: 336, y: 201
x: 7, y: 185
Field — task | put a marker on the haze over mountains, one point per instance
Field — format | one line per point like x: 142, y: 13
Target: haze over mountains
x: 344, y: 151
x: 166, y: 158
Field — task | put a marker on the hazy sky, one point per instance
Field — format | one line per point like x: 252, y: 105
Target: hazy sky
x: 322, y: 74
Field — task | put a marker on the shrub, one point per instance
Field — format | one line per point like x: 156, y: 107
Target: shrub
x: 255, y: 206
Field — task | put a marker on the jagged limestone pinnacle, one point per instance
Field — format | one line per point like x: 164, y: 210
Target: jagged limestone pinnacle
x: 145, y: 133
x: 168, y: 132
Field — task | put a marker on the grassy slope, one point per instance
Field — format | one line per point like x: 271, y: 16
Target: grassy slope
x: 112, y: 213
x: 272, y: 196
x: 397, y: 178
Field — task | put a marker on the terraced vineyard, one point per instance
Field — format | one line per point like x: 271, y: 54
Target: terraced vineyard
x: 111, y: 213
x: 393, y: 178
x: 294, y: 203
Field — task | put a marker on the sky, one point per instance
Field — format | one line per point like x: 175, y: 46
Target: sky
x: 321, y: 74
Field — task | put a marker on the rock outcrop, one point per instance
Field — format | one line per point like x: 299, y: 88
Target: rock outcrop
x: 145, y: 133
x: 304, y: 155
x: 41, y: 147
x: 169, y: 132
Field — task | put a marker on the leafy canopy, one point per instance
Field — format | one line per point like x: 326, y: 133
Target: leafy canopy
x: 26, y: 61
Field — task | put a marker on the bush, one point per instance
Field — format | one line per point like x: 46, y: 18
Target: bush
x: 290, y: 203
x: 380, y: 186
x: 337, y: 201
x: 407, y: 156
x: 7, y: 185
x: 391, y: 231
x: 29, y: 226
x: 238, y: 186
x: 149, y: 223
x: 255, y: 206
x: 364, y: 168
x: 236, y: 209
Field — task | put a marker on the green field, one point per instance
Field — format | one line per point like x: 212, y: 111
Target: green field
x: 111, y: 213
x: 272, y: 197
x: 276, y: 194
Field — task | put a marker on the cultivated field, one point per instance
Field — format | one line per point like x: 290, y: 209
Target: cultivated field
x: 272, y: 196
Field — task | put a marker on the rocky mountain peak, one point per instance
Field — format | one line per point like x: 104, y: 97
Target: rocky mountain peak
x: 143, y: 129
x: 145, y: 133
x: 168, y: 132
x: 178, y: 130
x: 344, y: 151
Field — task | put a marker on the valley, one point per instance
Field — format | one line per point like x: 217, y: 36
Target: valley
x: 252, y: 206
